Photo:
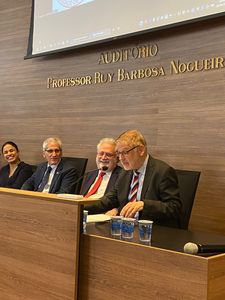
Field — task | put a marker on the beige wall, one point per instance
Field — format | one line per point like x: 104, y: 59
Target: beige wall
x: 182, y: 116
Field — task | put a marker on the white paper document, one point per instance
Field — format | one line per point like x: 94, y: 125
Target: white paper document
x: 98, y: 218
x: 71, y: 196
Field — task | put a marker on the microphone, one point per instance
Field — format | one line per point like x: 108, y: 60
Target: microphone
x: 192, y: 248
x: 104, y: 168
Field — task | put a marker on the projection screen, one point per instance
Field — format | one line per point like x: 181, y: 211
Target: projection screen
x: 58, y: 25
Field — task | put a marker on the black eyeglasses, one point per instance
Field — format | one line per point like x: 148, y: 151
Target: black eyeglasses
x: 50, y: 151
x: 125, y: 153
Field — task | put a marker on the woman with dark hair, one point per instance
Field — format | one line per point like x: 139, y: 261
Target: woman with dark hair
x: 16, y: 172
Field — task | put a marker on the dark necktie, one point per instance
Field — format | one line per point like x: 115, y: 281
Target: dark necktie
x: 97, y: 184
x: 45, y: 179
x: 134, y: 187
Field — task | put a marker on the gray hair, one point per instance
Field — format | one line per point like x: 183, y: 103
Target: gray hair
x: 106, y: 141
x: 49, y: 140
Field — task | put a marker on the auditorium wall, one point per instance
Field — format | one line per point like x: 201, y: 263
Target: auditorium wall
x: 172, y: 90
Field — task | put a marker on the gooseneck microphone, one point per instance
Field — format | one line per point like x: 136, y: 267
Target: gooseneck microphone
x: 192, y: 248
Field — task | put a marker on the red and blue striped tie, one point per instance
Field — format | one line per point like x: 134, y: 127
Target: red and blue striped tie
x: 134, y: 187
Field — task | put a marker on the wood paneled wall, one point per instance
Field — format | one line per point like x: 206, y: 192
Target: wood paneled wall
x: 181, y: 116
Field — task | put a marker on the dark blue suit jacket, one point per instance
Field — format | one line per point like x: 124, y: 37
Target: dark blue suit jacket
x: 63, y: 181
x: 91, y: 176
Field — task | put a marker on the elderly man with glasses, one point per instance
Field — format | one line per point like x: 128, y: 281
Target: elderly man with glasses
x: 55, y: 175
x: 100, y: 181
x: 147, y: 188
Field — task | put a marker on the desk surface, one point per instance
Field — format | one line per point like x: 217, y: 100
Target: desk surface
x: 164, y: 237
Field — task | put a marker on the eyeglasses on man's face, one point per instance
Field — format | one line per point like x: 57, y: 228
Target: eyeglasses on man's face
x: 51, y: 151
x: 125, y: 152
x: 107, y: 154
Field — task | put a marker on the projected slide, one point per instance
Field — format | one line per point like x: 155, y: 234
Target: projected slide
x: 62, y: 24
x: 60, y: 5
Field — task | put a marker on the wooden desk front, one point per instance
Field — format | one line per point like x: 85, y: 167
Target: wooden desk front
x: 113, y: 269
x: 40, y: 249
x: 39, y: 246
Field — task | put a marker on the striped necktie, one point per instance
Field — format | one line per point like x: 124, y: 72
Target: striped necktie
x: 134, y: 187
x: 96, y: 186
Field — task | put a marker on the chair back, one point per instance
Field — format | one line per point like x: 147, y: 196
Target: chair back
x: 79, y: 164
x: 188, y: 183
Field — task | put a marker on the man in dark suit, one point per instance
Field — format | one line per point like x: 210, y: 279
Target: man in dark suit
x: 55, y: 175
x: 146, y: 189
x: 106, y: 159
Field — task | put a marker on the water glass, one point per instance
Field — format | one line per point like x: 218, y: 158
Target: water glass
x: 128, y: 228
x: 85, y: 214
x: 116, y: 225
x: 145, y: 231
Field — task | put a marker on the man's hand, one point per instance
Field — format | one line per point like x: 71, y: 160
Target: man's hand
x: 112, y: 212
x: 130, y: 209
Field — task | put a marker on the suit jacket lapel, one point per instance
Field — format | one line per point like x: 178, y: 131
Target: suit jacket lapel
x: 148, y: 175
x: 41, y: 175
x: 113, y: 178
x: 124, y: 191
x: 56, y: 176
x: 89, y: 182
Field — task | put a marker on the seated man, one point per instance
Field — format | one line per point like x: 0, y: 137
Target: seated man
x: 101, y: 181
x: 146, y: 189
x: 55, y: 175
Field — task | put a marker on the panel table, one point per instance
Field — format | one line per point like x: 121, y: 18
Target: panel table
x: 114, y: 269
